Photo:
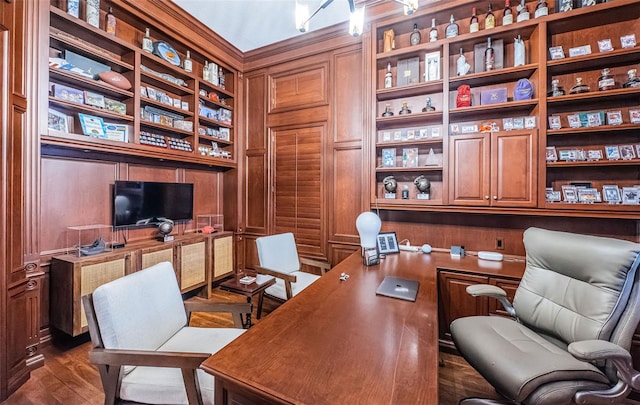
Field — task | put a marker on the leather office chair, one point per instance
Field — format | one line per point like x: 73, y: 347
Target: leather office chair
x: 279, y: 258
x: 577, y: 307
x: 142, y: 344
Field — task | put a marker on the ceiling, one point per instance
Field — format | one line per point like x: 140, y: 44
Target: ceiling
x: 251, y: 24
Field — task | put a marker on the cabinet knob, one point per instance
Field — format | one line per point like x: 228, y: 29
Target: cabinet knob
x: 495, y: 197
x: 486, y: 197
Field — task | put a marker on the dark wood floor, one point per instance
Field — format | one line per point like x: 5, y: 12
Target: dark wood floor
x: 68, y: 378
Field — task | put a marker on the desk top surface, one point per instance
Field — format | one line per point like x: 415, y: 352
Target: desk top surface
x: 338, y: 342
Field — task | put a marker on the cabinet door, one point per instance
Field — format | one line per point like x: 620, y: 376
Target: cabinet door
x: 454, y: 302
x: 514, y: 163
x: 469, y: 170
x: 510, y: 287
x: 91, y: 277
x: 222, y: 257
x: 193, y: 265
x: 152, y: 256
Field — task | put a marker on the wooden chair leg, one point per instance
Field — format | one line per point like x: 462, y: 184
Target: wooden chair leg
x: 110, y: 376
x: 192, y: 386
x: 260, y: 299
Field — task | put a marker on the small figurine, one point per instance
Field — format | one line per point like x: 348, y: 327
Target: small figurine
x: 428, y: 107
x: 390, y: 184
x: 422, y: 184
x: 405, y: 109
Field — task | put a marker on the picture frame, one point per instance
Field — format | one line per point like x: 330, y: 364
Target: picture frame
x: 530, y: 122
x: 605, y: 45
x: 564, y: 5
x: 435, y: 132
x: 507, y: 124
x: 551, y: 195
x: 614, y: 117
x: 151, y: 93
x: 569, y: 194
x: 587, y: 195
x: 389, y: 157
x: 58, y: 121
x: 630, y: 195
x: 387, y: 243
x: 552, y: 155
x: 92, y: 126
x: 612, y: 152
x: 143, y: 91
x: 554, y: 122
x: 386, y: 136
x: 410, y: 157
x: 611, y: 194
x: 423, y: 133
x: 594, y: 154
x: 628, y: 41
x: 518, y: 123
x: 574, y: 120
x: 627, y: 152
x: 637, y: 149
x: 594, y: 119
x: 556, y: 52
x: 634, y: 116
x: 568, y: 155
x: 432, y: 66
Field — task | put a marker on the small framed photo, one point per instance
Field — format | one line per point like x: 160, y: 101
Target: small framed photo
x: 518, y: 123
x: 469, y: 128
x: 530, y: 122
x: 386, y: 136
x: 634, y: 116
x: 587, y: 3
x: 551, y: 195
x: 627, y: 152
x: 94, y: 99
x: 594, y: 120
x: 568, y: 154
x: 612, y: 152
x: 594, y: 154
x: 556, y: 52
x: 143, y: 91
x: 58, y: 121
x: 638, y: 149
x: 432, y: 66
x: 628, y: 41
x: 605, y: 45
x: 397, y: 135
x: 151, y: 93
x: 569, y: 194
x: 423, y: 134
x: 580, y: 51
x: 411, y: 134
x: 92, y: 126
x: 564, y: 5
x: 588, y: 195
x: 507, y: 124
x: 554, y: 122
x: 574, y: 120
x: 389, y: 157
x: 454, y: 129
x: 630, y: 195
x: 387, y: 243
x: 611, y: 194
x: 435, y: 132
x: 614, y: 117
x: 552, y: 155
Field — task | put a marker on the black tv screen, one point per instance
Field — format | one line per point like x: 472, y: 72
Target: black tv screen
x: 139, y: 203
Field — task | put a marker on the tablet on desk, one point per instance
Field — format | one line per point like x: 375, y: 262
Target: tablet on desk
x: 396, y: 287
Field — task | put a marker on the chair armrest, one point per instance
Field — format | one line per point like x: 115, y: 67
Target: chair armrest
x: 492, y: 291
x: 117, y: 357
x: 285, y: 276
x: 235, y: 308
x: 592, y: 350
x: 323, y: 266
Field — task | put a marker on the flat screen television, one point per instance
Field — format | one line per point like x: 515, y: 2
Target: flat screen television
x: 140, y: 203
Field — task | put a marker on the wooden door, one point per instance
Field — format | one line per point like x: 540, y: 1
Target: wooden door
x: 454, y: 302
x: 299, y: 187
x: 514, y: 165
x: 469, y: 170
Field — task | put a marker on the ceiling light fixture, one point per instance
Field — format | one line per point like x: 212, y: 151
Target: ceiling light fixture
x: 356, y: 20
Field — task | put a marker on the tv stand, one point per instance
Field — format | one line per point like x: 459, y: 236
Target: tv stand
x: 198, y: 259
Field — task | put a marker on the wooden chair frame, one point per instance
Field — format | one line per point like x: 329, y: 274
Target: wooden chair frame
x: 288, y: 278
x: 110, y: 362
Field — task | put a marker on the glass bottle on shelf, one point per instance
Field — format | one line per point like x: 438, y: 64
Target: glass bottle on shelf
x: 415, y: 35
x: 633, y: 80
x: 462, y: 67
x: 556, y: 89
x: 388, y: 77
x: 542, y: 9
x: 221, y: 78
x: 387, y: 111
x: 433, y: 33
x: 110, y: 22
x: 523, y: 11
x: 405, y: 109
x: 452, y: 29
x: 507, y: 14
x: 428, y: 107
x: 206, y: 72
x: 489, y: 56
x: 519, y: 52
x: 579, y: 87
x: 188, y: 64
x: 606, y: 81
x: 474, y: 24
x: 489, y: 19
x: 147, y: 45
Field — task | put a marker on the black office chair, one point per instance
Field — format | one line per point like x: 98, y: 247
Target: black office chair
x: 576, y: 310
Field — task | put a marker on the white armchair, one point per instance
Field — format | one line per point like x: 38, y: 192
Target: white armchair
x: 142, y: 344
x: 279, y: 258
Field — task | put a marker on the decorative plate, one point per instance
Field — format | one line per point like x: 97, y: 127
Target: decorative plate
x: 166, y: 52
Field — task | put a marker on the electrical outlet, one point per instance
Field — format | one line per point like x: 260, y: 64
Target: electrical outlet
x: 499, y: 244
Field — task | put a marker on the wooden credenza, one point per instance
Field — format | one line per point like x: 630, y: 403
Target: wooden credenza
x: 198, y: 260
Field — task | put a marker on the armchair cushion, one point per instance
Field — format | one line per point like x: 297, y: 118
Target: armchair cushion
x: 490, y: 345
x: 278, y: 253
x: 303, y: 280
x: 143, y: 381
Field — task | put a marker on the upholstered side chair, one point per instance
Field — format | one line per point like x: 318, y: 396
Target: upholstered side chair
x: 279, y: 258
x: 143, y: 345
x: 575, y: 312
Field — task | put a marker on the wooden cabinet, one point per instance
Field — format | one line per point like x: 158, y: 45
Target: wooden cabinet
x: 197, y: 259
x: 455, y: 302
x: 72, y: 277
x: 496, y: 169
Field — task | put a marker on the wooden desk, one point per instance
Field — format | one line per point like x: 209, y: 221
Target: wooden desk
x: 339, y: 343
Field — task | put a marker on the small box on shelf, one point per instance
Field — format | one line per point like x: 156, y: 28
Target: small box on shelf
x: 86, y: 240
x: 210, y: 223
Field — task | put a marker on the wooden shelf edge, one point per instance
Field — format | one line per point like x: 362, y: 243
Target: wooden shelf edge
x: 584, y: 130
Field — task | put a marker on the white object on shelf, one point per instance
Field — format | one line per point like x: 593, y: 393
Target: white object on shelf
x: 495, y: 256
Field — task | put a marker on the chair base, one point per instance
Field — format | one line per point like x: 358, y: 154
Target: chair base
x: 484, y: 401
